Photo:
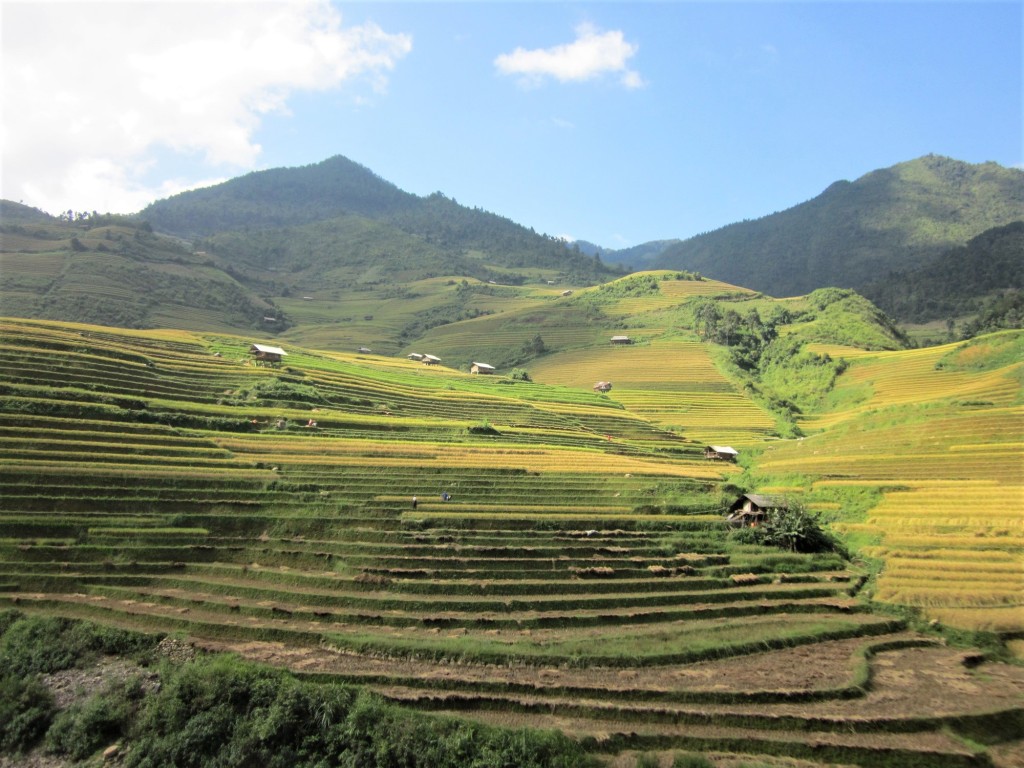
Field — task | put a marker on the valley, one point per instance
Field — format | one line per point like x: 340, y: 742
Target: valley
x: 581, y: 575
x: 351, y: 476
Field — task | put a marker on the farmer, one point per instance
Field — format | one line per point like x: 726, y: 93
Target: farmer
x: 414, y: 502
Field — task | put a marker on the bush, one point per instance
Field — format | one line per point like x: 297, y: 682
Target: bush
x: 26, y: 708
x: 46, y: 644
x: 226, y: 712
x: 82, y: 729
x: 796, y: 530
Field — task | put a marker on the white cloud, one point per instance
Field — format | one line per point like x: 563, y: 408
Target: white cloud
x: 95, y: 94
x: 591, y: 55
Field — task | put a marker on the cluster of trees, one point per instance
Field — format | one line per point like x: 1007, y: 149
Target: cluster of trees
x: 1000, y: 312
x: 93, y: 219
x: 747, y: 334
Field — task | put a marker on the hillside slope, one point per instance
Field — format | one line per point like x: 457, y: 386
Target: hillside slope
x: 957, y: 282
x: 496, y: 550
x: 897, y: 218
x: 929, y: 439
x: 112, y: 270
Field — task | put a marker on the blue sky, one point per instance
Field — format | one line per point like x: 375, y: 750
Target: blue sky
x: 612, y: 122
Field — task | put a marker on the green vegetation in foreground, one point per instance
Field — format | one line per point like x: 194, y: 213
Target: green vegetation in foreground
x: 218, y: 710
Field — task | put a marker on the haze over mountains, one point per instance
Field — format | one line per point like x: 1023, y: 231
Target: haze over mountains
x: 241, y: 254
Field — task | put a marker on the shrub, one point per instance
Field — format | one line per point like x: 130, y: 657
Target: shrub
x: 797, y: 530
x: 26, y: 708
x: 84, y: 728
x: 46, y: 644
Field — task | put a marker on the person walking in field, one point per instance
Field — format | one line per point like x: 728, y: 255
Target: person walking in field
x: 414, y: 502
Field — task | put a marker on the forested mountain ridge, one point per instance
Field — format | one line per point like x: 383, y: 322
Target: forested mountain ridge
x: 959, y: 281
x: 637, y: 257
x: 897, y: 218
x: 279, y: 197
x: 262, y: 201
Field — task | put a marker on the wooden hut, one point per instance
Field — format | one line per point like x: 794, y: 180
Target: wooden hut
x: 431, y: 360
x: 483, y: 368
x: 751, y: 509
x: 621, y: 340
x: 414, y: 356
x: 720, y: 453
x: 603, y: 386
x: 263, y: 353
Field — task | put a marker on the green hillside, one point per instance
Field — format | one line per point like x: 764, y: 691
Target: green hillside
x: 895, y: 219
x: 414, y: 228
x: 112, y: 270
x: 959, y: 281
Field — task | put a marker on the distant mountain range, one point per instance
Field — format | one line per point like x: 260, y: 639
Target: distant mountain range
x: 896, y: 219
x: 384, y: 266
x: 636, y: 258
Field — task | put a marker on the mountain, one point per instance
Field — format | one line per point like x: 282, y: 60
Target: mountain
x: 638, y: 257
x: 281, y: 197
x: 333, y: 256
x: 114, y: 270
x: 958, y: 281
x: 898, y: 218
x: 338, y: 189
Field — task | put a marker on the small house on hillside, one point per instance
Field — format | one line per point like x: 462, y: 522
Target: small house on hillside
x: 481, y: 368
x: 266, y: 354
x: 567, y: 293
x: 720, y: 453
x: 431, y: 360
x: 621, y: 340
x: 365, y: 350
x: 603, y: 386
x: 414, y: 356
x: 751, y: 509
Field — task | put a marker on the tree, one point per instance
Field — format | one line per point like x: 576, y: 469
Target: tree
x: 705, y: 318
x: 519, y: 374
x: 796, y: 529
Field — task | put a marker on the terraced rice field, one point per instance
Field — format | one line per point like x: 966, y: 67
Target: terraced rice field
x: 146, y: 483
x: 673, y: 384
x: 940, y: 431
x: 955, y: 549
x: 672, y: 292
